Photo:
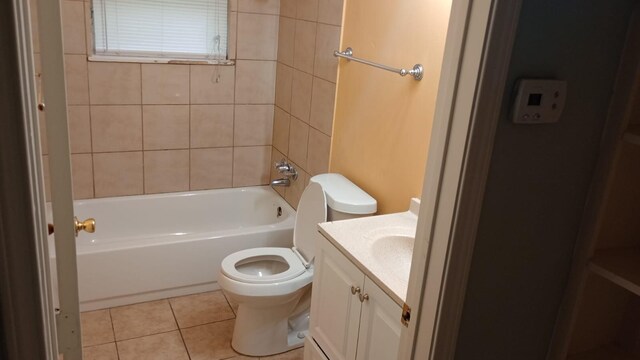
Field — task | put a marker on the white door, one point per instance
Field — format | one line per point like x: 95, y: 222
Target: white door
x: 335, y: 307
x: 54, y: 98
x: 380, y: 326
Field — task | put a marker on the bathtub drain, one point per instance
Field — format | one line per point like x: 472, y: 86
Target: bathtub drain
x: 279, y: 213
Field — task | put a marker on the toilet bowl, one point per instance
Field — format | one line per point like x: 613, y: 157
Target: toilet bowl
x: 272, y: 286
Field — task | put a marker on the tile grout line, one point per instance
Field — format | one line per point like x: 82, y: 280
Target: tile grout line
x: 114, y: 334
x: 184, y: 343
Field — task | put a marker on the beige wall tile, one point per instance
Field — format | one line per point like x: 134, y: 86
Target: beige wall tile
x: 318, y: 152
x: 118, y: 174
x: 165, y: 127
x: 281, y: 122
x: 211, y: 126
x: 275, y: 157
x: 82, y: 176
x: 100, y: 352
x: 142, y: 319
x: 79, y: 129
x: 211, y: 168
x: 330, y: 12
x: 166, y: 171
x: 286, y: 37
x: 75, y: 71
x: 233, y: 5
x: 166, y: 346
x: 298, y: 141
x: 284, y: 78
x: 96, y: 327
x: 307, y: 10
x: 35, y: 35
x: 253, y: 125
x: 88, y: 33
x: 233, y: 35
x: 327, y: 41
x: 257, y: 36
x: 293, y: 193
x: 304, y: 46
x: 114, y: 83
x: 260, y: 6
x: 255, y: 82
x: 251, y: 165
x: 322, y: 105
x: 116, y: 128
x: 211, y: 341
x: 200, y: 309
x: 288, y: 8
x: 165, y: 84
x: 301, y: 95
x: 212, y: 84
x: 73, y: 27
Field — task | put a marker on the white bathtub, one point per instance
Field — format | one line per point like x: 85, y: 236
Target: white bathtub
x: 156, y: 246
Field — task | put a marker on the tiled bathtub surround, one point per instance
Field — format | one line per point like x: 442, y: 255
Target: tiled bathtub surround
x: 305, y: 88
x: 140, y: 128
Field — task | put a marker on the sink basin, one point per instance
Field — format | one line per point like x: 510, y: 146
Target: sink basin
x: 394, y: 252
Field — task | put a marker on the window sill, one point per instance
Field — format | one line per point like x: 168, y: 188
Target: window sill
x: 133, y: 59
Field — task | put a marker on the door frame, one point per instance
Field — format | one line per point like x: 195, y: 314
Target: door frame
x: 55, y: 96
x: 28, y: 325
x: 477, y: 55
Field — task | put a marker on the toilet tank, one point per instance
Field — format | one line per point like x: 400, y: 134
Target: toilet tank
x: 345, y: 200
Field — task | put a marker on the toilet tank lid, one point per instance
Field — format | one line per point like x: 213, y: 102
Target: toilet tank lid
x: 344, y: 196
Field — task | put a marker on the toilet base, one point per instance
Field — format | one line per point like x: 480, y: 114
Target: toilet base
x: 261, y: 331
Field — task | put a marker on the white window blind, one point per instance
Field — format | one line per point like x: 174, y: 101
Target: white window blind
x: 174, y: 29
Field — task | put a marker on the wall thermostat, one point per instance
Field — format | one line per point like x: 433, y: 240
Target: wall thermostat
x: 539, y: 101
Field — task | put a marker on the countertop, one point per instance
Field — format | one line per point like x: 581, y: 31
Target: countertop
x: 388, y: 267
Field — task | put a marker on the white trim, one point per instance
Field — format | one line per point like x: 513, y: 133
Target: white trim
x: 157, y: 60
x: 479, y: 45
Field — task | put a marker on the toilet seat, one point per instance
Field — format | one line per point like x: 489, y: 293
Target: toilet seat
x: 312, y: 210
x: 285, y: 255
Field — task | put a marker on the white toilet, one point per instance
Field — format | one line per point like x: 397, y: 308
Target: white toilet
x: 272, y: 286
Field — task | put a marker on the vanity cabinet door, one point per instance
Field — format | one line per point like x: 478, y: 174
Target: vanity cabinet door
x: 335, y: 310
x: 380, y: 326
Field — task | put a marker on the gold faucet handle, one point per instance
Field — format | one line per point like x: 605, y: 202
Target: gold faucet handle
x: 88, y: 225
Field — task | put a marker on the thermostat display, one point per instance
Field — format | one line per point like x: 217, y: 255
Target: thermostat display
x: 539, y: 101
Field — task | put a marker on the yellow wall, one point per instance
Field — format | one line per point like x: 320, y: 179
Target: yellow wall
x: 382, y: 121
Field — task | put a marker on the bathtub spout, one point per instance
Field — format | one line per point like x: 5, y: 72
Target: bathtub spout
x: 281, y: 182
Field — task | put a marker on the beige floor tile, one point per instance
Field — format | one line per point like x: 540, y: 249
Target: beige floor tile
x: 96, y: 328
x: 200, y: 309
x: 234, y: 305
x: 100, y: 352
x: 143, y: 319
x: 166, y: 346
x: 297, y: 354
x: 210, y: 342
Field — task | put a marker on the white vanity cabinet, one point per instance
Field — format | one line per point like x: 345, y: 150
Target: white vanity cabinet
x: 351, y: 317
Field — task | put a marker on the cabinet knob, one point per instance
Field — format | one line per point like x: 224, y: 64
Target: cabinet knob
x: 355, y: 290
x: 364, y: 297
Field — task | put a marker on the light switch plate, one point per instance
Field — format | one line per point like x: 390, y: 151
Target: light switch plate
x: 539, y: 101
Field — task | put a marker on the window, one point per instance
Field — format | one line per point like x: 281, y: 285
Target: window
x: 161, y: 29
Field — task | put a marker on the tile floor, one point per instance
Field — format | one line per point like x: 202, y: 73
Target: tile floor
x: 194, y: 327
